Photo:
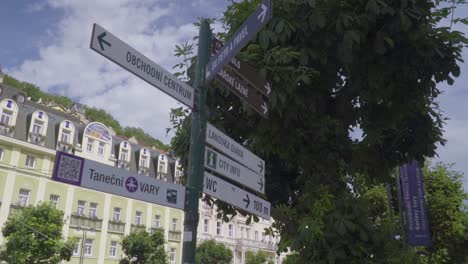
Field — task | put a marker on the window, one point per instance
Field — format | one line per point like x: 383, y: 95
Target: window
x: 30, y: 161
x: 174, y: 224
x: 23, y: 197
x: 37, y: 127
x: 231, y: 230
x: 88, y: 247
x: 138, y: 217
x: 113, y: 249
x: 54, y: 199
x: 117, y: 212
x: 256, y: 235
x: 157, y: 221
x: 123, y: 155
x: 172, y: 255
x: 89, y: 146
x: 263, y: 236
x: 101, y: 149
x: 218, y: 228
x: 162, y: 167
x: 65, y: 136
x: 81, y: 207
x: 1, y: 153
x: 6, y: 117
x: 205, y: 225
x: 76, y: 250
x: 93, y: 210
x: 143, y: 162
x: 247, y: 233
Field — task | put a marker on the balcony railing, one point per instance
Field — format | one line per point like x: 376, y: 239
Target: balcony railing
x: 6, y: 129
x: 117, y: 227
x: 257, y: 244
x: 138, y: 228
x: 174, y: 235
x: 85, y: 221
x: 155, y: 229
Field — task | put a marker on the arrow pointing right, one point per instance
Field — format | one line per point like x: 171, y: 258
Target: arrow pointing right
x: 268, y: 88
x: 261, y: 184
x: 265, y: 108
x: 261, y: 166
x: 102, y: 40
x: 247, y: 200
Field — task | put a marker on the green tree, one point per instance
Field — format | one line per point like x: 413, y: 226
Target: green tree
x: 292, y: 259
x: 338, y: 66
x: 210, y: 252
x: 35, y: 236
x: 100, y: 115
x: 258, y: 257
x: 446, y: 213
x: 144, y: 248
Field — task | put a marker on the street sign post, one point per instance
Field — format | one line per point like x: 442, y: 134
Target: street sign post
x: 235, y: 196
x: 244, y: 70
x: 232, y: 170
x: 236, y: 151
x: 256, y: 21
x: 243, y: 91
x: 109, y: 46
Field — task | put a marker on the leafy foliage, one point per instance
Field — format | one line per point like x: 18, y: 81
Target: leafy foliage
x: 336, y: 67
x: 144, y: 248
x: 210, y: 252
x: 35, y: 236
x: 258, y: 257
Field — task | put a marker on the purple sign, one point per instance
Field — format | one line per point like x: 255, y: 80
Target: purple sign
x: 414, y: 201
x: 256, y: 21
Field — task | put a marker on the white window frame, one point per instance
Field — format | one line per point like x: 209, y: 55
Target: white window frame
x: 143, y: 162
x: 1, y: 153
x: 66, y: 134
x: 206, y: 226
x: 256, y: 235
x: 172, y: 255
x: 162, y: 167
x: 6, y: 117
x: 123, y: 155
x: 231, y: 230
x: 101, y: 149
x: 117, y: 214
x: 90, y: 145
x: 113, y: 249
x: 37, y: 127
x: 77, y: 249
x: 23, y: 197
x: 157, y: 221
x: 88, y: 247
x: 81, y: 207
x: 54, y: 199
x: 219, y: 228
x: 30, y: 161
x: 138, y: 217
x: 93, y: 208
x: 174, y: 224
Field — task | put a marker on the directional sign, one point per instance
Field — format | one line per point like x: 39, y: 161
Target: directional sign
x: 243, y: 91
x: 130, y: 59
x: 244, y: 70
x: 233, y: 170
x: 235, y: 196
x: 94, y: 175
x: 236, y: 151
x: 256, y: 21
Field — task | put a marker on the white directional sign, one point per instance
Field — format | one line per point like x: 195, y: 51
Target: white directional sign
x: 109, y: 46
x: 235, y: 196
x: 236, y: 151
x: 233, y: 170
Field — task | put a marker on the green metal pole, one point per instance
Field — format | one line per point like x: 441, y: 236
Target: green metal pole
x: 197, y: 147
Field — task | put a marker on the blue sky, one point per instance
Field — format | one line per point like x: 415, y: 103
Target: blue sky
x: 46, y: 42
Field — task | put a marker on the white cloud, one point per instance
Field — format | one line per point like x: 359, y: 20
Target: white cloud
x: 69, y: 67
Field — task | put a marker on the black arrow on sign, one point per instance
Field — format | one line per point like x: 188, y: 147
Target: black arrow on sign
x: 261, y: 166
x: 101, y: 40
x: 260, y: 183
x: 247, y: 200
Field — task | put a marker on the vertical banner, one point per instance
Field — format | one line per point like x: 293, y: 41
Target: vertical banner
x: 417, y: 225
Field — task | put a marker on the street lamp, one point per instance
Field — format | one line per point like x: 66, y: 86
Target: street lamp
x: 83, y: 238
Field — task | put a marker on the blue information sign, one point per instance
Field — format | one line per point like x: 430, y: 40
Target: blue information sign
x: 417, y: 226
x: 244, y: 34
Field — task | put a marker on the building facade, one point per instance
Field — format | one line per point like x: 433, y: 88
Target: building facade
x: 31, y: 134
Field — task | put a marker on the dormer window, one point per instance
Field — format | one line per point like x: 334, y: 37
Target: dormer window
x: 101, y: 149
x: 123, y: 155
x: 66, y: 136
x: 6, y: 117
x: 162, y: 164
x: 143, y: 167
x: 97, y: 136
x: 38, y: 128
